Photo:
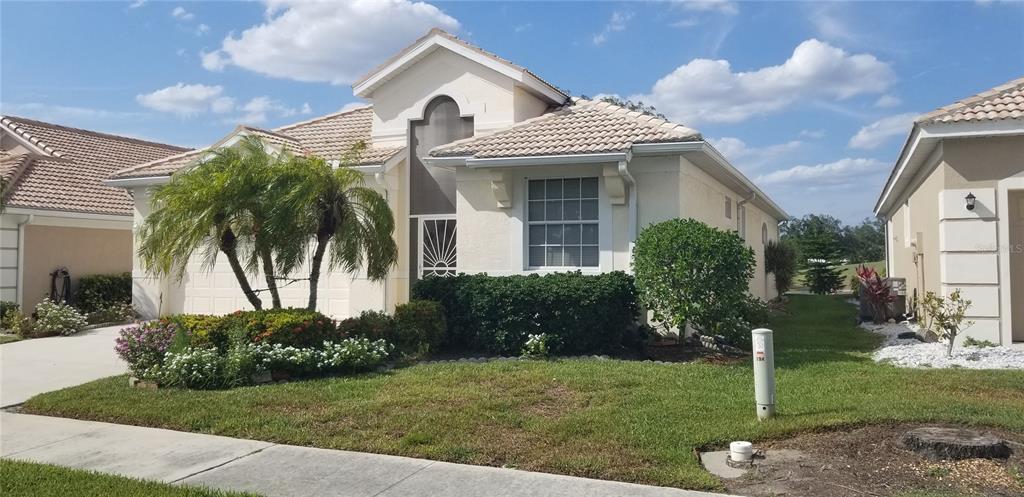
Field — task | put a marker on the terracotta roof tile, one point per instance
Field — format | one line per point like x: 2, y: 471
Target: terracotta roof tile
x: 331, y: 137
x: 586, y: 127
x: 1002, y: 102
x: 69, y: 177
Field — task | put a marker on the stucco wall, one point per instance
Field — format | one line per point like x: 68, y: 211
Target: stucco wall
x: 83, y: 251
x: 488, y: 96
x: 491, y: 239
x: 918, y: 217
x: 981, y: 162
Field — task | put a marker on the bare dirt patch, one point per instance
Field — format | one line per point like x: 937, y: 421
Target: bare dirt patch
x: 870, y: 461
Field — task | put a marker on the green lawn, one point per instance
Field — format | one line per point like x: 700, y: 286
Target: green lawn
x: 610, y: 419
x: 9, y: 338
x: 26, y: 479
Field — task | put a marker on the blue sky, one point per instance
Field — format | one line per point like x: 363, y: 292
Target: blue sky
x: 812, y: 100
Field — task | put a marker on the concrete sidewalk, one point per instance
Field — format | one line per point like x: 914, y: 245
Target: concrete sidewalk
x: 31, y: 367
x: 279, y: 470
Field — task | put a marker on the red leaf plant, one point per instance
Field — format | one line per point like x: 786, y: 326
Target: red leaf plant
x: 877, y: 290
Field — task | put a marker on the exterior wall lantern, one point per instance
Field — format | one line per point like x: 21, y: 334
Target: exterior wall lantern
x: 970, y: 201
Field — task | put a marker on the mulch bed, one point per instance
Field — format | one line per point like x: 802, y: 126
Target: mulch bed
x: 870, y: 461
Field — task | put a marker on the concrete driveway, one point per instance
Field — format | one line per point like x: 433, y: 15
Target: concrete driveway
x: 31, y: 367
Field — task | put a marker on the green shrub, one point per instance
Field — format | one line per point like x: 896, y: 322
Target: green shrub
x: 298, y: 327
x: 374, y: 325
x: 53, y: 318
x: 497, y: 314
x: 242, y: 363
x: 538, y: 346
x: 120, y: 312
x: 419, y: 327
x: 99, y: 291
x: 690, y: 273
x: 205, y: 329
x: 8, y: 311
x: 199, y: 368
x: 780, y: 260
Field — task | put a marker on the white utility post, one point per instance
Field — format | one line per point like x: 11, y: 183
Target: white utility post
x: 764, y: 372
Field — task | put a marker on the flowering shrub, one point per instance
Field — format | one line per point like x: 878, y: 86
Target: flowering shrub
x: 193, y: 368
x: 118, y: 312
x: 57, y: 318
x: 352, y: 354
x: 876, y: 290
x: 144, y: 346
x: 538, y: 346
x: 294, y: 360
x: 241, y: 364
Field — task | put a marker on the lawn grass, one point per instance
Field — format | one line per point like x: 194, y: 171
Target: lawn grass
x: 9, y: 338
x: 27, y: 479
x: 611, y: 419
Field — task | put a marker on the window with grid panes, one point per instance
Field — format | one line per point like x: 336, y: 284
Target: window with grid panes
x: 562, y: 221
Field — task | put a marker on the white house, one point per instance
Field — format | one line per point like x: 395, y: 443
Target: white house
x: 954, y: 209
x: 488, y: 168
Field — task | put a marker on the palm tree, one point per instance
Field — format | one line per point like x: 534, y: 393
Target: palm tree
x: 222, y: 205
x: 331, y: 209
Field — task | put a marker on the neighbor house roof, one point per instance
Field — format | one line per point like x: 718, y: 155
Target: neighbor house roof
x: 1002, y: 102
x: 65, y: 167
x: 995, y: 112
x: 583, y: 127
x: 331, y: 137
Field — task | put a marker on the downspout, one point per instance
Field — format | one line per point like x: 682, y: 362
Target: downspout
x: 743, y: 219
x: 632, y: 202
x: 381, y: 180
x: 21, y: 259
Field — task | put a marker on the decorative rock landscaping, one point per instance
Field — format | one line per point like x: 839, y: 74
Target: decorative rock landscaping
x: 913, y: 353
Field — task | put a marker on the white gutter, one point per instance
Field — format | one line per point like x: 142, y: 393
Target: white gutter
x: 68, y: 214
x: 546, y: 160
x: 743, y: 219
x: 19, y: 292
x: 140, y: 181
x: 633, y: 220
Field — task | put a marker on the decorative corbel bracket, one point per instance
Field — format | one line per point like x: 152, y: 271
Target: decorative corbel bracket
x: 501, y: 187
x: 614, y: 184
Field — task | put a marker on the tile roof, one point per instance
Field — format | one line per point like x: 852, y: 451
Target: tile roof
x: 1002, y: 102
x: 585, y: 127
x: 69, y: 176
x: 331, y: 137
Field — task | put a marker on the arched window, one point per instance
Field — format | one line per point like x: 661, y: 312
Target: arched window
x: 764, y: 233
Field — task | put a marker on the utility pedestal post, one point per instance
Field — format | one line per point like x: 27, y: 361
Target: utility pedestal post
x: 764, y: 373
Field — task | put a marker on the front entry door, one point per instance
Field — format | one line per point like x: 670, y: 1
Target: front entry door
x: 1016, y: 201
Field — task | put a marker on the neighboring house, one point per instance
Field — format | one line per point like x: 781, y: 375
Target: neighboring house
x: 58, y: 213
x: 488, y: 168
x: 954, y: 209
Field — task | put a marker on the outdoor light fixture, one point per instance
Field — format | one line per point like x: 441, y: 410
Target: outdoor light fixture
x: 970, y: 201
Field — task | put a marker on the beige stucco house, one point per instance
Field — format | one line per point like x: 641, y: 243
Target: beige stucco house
x: 488, y: 168
x: 954, y: 209
x: 58, y: 212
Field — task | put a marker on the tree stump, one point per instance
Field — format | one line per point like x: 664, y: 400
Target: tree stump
x: 936, y: 444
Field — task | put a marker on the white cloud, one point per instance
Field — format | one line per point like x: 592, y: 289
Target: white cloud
x: 306, y: 109
x: 687, y: 23
x: 617, y: 23
x: 259, y: 109
x: 136, y: 4
x: 738, y: 152
x: 887, y: 101
x: 726, y: 7
x: 181, y: 14
x: 181, y: 99
x: 839, y: 173
x: 332, y: 42
x: 63, y: 113
x: 222, y: 105
x: 709, y: 91
x: 812, y: 133
x: 202, y: 29
x: 522, y: 27
x: 880, y: 131
x: 830, y: 22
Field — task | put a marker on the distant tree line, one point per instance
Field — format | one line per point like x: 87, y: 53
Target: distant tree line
x: 822, y: 243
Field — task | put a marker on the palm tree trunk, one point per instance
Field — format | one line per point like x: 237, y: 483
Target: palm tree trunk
x: 268, y: 274
x: 314, y: 269
x: 228, y: 245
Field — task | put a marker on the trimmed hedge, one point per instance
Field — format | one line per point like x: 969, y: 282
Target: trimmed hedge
x: 497, y: 314
x: 417, y: 328
x: 288, y: 327
x: 99, y: 291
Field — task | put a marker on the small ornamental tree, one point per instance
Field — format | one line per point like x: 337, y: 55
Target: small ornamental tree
x: 946, y: 316
x: 780, y: 260
x: 821, y: 250
x: 689, y: 272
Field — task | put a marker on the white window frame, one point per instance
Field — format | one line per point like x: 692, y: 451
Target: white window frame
x: 728, y: 207
x: 601, y: 222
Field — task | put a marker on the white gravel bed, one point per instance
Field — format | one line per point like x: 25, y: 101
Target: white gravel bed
x: 912, y: 353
